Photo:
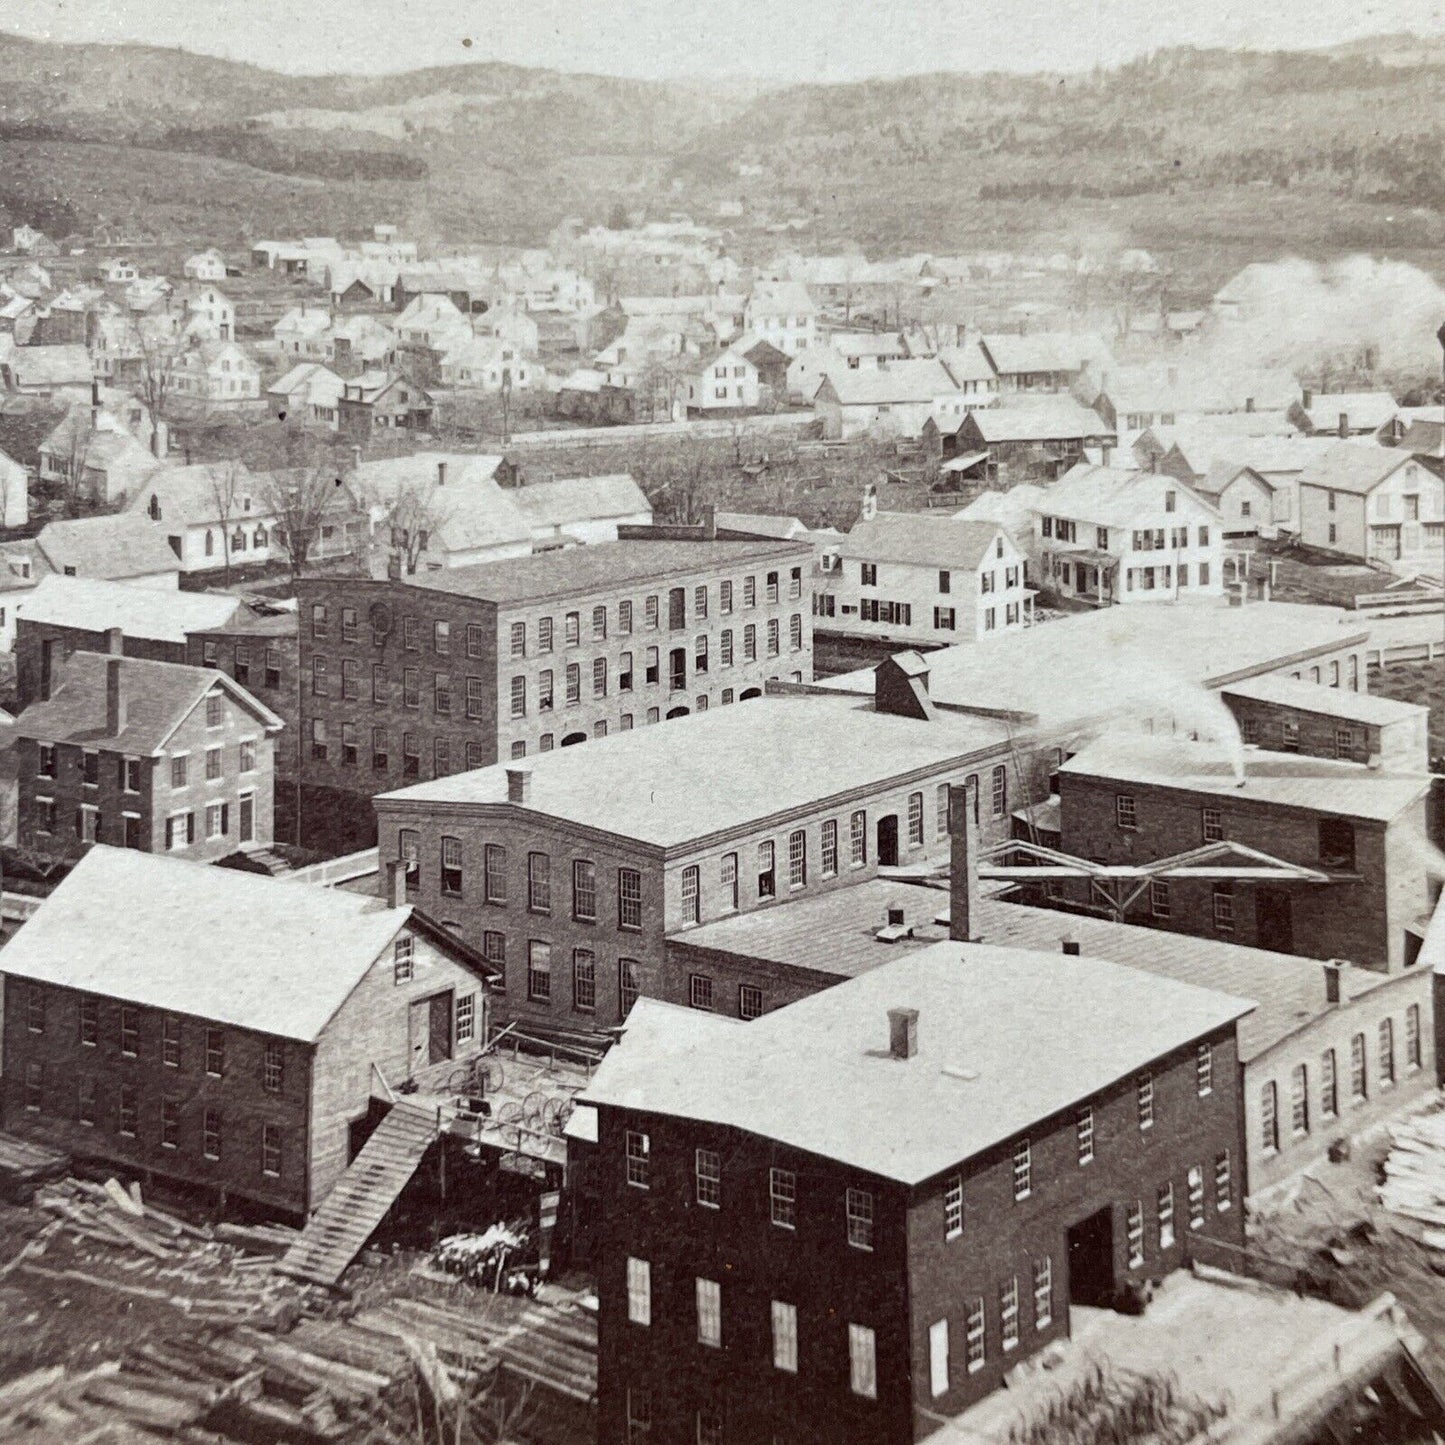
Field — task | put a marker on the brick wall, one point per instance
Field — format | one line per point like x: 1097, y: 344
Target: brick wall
x: 31, y: 636
x: 244, y: 1104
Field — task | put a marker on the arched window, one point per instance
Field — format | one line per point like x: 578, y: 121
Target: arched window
x: 210, y: 544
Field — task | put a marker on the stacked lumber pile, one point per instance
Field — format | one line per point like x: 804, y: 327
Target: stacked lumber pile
x: 122, y: 1245
x: 1414, y: 1184
x: 23, y: 1165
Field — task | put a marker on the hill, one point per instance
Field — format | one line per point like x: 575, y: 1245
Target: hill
x: 1189, y: 151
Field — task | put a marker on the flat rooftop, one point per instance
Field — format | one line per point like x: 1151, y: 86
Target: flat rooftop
x: 1122, y: 660
x: 600, y: 566
x: 1006, y: 1037
x: 729, y: 767
x: 1287, y: 780
x: 835, y: 934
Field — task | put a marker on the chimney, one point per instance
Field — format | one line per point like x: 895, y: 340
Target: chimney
x: 709, y: 523
x: 1070, y: 946
x: 94, y: 402
x: 1307, y: 400
x: 894, y: 915
x: 1173, y: 374
x: 396, y: 883
x: 519, y: 785
x: 903, y: 1032
x: 115, y: 641
x: 1249, y: 403
x: 1105, y: 452
x: 1334, y: 969
x: 963, y: 900
x: 441, y: 474
x: 115, y: 700
x: 1344, y: 423
x: 47, y: 667
x: 355, y: 458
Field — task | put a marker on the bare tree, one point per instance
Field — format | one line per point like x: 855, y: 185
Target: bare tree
x: 409, y: 518
x: 300, y: 500
x: 159, y: 345
x: 225, y: 486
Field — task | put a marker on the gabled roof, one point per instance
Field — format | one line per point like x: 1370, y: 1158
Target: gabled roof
x: 113, y: 546
x: 160, y: 696
x: 921, y: 539
x: 581, y: 499
x: 920, y: 380
x: 1113, y: 496
x: 1222, y: 474
x: 469, y: 510
x: 1365, y: 410
x: 1006, y: 1038
x: 966, y: 363
x: 1355, y: 466
x: 189, y: 495
x: 51, y: 365
x: 311, y: 321
x: 306, y: 377
x: 1337, y: 702
x: 780, y: 298
x: 1046, y: 418
x: 126, y: 925
x: 92, y: 605
x: 1044, y: 351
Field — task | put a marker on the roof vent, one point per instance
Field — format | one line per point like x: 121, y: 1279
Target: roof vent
x: 1070, y: 947
x: 519, y: 785
x: 894, y: 926
x: 1334, y: 970
x: 903, y: 1032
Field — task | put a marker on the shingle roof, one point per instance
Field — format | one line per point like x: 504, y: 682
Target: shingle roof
x: 1047, y: 418
x: 1364, y: 409
x: 921, y: 540
x: 1112, y: 496
x: 94, y: 605
x: 899, y: 381
x: 1043, y: 351
x: 1355, y: 466
x: 581, y: 499
x: 469, y: 509
x: 1290, y: 780
x: 600, y: 565
x: 132, y: 926
x: 51, y: 365
x: 1006, y: 1038
x: 159, y: 698
x: 191, y: 496
x: 114, y: 546
x: 660, y: 784
x: 1340, y: 702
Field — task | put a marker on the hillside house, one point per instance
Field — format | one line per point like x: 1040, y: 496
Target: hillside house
x: 897, y: 400
x: 383, y: 400
x: 1343, y: 413
x: 923, y: 579
x: 111, y: 547
x: 724, y: 382
x: 1374, y: 504
x: 1108, y: 536
x: 217, y: 373
x: 254, y: 1081
x: 304, y: 331
x: 486, y: 364
x: 1043, y: 361
x: 1244, y: 500
x: 581, y: 509
x: 783, y: 313
x: 1033, y: 440
x: 210, y: 313
x: 45, y: 370
x: 21, y: 568
x: 309, y: 393
x: 156, y: 756
x: 208, y: 265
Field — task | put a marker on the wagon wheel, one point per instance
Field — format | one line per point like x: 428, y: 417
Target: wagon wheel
x: 490, y: 1074
x: 533, y: 1107
x: 510, y: 1113
x: 461, y: 1080
x: 556, y: 1114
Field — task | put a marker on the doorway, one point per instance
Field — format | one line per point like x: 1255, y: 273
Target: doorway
x: 888, y: 841
x: 430, y: 1031
x: 1273, y: 920
x: 246, y: 811
x: 1091, y: 1260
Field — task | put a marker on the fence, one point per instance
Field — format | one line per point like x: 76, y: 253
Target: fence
x: 335, y: 871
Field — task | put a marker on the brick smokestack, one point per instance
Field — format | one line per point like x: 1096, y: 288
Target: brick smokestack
x: 519, y: 785
x: 396, y: 883
x: 115, y: 641
x: 115, y: 699
x: 963, y: 897
x: 903, y: 1032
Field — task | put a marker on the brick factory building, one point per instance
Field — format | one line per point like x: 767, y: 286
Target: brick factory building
x: 245, y: 1073
x: 570, y: 870
x: 455, y: 669
x: 852, y: 1217
x: 1357, y: 832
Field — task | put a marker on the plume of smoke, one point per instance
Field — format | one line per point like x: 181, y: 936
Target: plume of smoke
x: 1301, y: 315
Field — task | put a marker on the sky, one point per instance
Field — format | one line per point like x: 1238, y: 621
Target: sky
x: 793, y: 40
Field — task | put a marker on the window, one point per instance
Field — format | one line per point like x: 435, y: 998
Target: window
x: 1387, y: 1053
x: 1359, y: 1083
x: 750, y: 643
x: 785, y: 1336
x: 215, y: 1053
x: 1329, y: 1086
x: 629, y: 984
x: 862, y: 1362
x: 1289, y: 736
x: 519, y: 639
x: 441, y: 638
x: 1134, y: 1231
x: 1224, y: 907
x: 707, y: 1177
x: 1000, y: 791
x: 178, y: 771
x: 584, y: 980
x: 1299, y: 1101
x: 709, y: 1313
x: 273, y: 1068
x: 1165, y: 1200
x: 573, y: 680
x: 318, y: 620
x: 795, y: 631
x: 1125, y: 815
x: 1337, y: 843
x: 639, y: 1290
x: 1023, y: 1170
x: 45, y: 767
x: 539, y: 882
x: 599, y: 677
x: 1269, y: 1118
x: 170, y: 1041
x: 1195, y: 1196
x: 1159, y: 897
x: 637, y: 1160
x: 691, y: 901
x: 1412, y: 1037
x: 129, y: 1031
x: 750, y: 1001
x: 211, y: 1133
x: 85, y: 1102
x: 1344, y: 742
x: 629, y: 898
x: 1223, y: 1193
x: 767, y: 875
x: 1144, y: 1092
x: 797, y: 859
x: 35, y: 1010
x: 829, y: 849
x: 973, y: 1336
x: 774, y: 645
x: 170, y: 1123
x: 1043, y: 1293
x: 125, y: 1119
x: 89, y: 1022
x: 783, y: 1197
x: 246, y: 763
x: 953, y: 1207
x: 859, y: 1204
x: 858, y: 839
x: 494, y: 950
x: 1084, y: 1135
x: 271, y: 1150
x: 915, y: 820
x: 539, y: 971
x: 1008, y: 1312
x: 1212, y: 825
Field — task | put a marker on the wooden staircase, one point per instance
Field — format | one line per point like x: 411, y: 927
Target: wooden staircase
x: 350, y: 1214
